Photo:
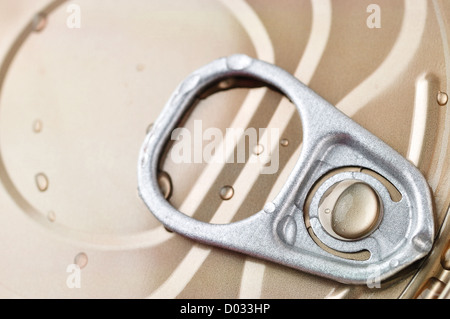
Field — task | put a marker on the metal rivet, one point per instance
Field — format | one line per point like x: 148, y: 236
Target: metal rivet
x: 356, y: 211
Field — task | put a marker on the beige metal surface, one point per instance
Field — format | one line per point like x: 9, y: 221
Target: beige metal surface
x: 75, y: 104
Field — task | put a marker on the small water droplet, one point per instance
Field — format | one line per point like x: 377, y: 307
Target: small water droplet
x: 149, y: 127
x: 226, y: 84
x: 238, y: 62
x: 37, y: 126
x: 284, y: 142
x: 226, y: 192
x: 39, y: 22
x: 269, y: 207
x: 258, y: 149
x: 393, y: 263
x: 81, y: 260
x: 327, y: 210
x: 442, y: 98
x: 51, y: 216
x: 165, y: 184
x: 140, y: 67
x: 41, y: 182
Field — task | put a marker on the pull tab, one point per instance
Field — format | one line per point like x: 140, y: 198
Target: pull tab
x: 352, y: 209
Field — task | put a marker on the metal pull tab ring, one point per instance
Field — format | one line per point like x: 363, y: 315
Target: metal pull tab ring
x: 289, y: 230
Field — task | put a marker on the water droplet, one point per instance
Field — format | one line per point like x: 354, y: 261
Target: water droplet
x: 269, y: 207
x: 165, y: 184
x: 51, y: 216
x: 393, y: 263
x: 442, y: 98
x: 238, y: 62
x: 81, y: 260
x: 190, y: 83
x: 37, y: 126
x: 226, y: 192
x: 41, y: 182
x: 258, y: 149
x: 140, y: 67
x: 327, y: 210
x: 149, y: 127
x: 226, y: 84
x: 39, y: 22
x: 284, y: 142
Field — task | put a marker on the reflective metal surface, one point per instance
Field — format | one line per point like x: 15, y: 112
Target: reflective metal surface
x: 278, y: 232
x: 75, y: 104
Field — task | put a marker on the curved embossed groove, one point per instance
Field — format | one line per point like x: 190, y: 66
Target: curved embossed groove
x: 194, y: 258
x: 4, y: 67
x: 146, y: 238
x: 324, y: 141
x: 306, y: 68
